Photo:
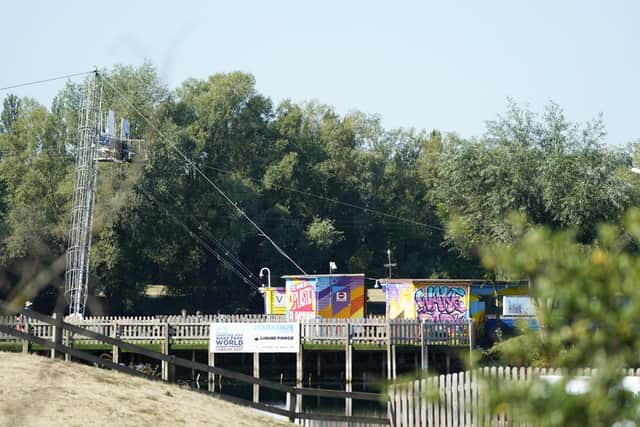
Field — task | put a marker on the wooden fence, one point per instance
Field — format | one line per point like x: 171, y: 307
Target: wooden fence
x: 291, y: 412
x: 462, y: 397
x: 375, y: 331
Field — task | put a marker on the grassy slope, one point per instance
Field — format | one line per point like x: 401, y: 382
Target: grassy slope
x: 36, y: 391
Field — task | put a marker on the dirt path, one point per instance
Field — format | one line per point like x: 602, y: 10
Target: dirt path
x: 37, y: 391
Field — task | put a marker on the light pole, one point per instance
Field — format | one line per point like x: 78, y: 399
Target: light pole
x: 266, y: 292
x: 261, y: 275
x: 389, y: 263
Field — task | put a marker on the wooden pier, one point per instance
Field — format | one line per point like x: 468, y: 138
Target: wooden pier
x: 192, y: 332
x: 166, y: 333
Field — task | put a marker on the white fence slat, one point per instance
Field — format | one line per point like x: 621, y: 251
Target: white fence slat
x: 423, y: 405
x: 430, y: 406
x: 464, y: 396
x: 454, y: 400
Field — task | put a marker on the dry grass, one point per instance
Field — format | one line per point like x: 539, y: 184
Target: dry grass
x: 37, y: 391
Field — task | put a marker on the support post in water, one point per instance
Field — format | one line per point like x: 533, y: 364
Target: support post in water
x: 212, y: 376
x: 348, y: 373
x: 256, y: 374
x: 299, y: 372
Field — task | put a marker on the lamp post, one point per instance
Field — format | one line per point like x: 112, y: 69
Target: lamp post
x: 266, y: 292
x: 261, y: 275
x: 389, y: 263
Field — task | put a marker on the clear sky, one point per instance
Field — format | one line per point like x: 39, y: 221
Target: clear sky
x: 448, y: 65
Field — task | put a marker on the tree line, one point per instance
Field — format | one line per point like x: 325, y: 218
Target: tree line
x: 324, y: 186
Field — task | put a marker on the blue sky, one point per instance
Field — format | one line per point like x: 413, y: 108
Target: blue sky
x: 448, y: 65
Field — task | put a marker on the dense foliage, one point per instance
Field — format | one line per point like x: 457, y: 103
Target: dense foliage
x: 588, y: 306
x: 324, y: 186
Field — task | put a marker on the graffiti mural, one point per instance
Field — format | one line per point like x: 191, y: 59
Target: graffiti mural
x: 400, y: 302
x: 301, y: 299
x: 335, y: 296
x: 441, y: 303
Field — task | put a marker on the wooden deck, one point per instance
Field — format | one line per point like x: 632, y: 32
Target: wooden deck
x: 368, y: 332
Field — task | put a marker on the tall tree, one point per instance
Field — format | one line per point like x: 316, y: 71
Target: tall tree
x: 10, y: 111
x: 557, y: 173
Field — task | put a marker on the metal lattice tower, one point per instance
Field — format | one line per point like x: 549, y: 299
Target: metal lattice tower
x: 84, y: 195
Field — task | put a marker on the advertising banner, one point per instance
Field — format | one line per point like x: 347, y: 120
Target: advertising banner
x: 254, y: 338
x: 517, y: 306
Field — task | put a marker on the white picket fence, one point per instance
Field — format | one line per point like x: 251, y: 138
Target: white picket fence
x: 463, y: 397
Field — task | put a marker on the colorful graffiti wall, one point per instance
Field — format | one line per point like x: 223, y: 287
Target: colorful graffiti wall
x: 432, y: 302
x: 301, y: 299
x: 441, y: 303
x: 336, y: 296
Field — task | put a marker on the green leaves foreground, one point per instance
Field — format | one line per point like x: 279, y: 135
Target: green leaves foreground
x: 588, y: 308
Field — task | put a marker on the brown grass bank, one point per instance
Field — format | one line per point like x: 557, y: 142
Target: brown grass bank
x: 37, y: 391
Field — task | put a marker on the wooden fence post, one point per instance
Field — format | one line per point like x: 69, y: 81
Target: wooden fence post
x: 115, y: 350
x: 165, y: 350
x: 56, y: 333
x: 172, y: 368
x: 291, y: 406
x: 27, y: 329
x: 66, y: 338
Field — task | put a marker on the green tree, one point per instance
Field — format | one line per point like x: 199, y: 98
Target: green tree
x: 557, y: 173
x: 10, y: 111
x: 588, y: 307
x: 323, y: 234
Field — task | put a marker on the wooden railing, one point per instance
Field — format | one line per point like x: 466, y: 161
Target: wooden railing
x: 60, y: 329
x: 370, y: 331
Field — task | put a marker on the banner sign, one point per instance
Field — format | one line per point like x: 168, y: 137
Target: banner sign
x: 274, y: 337
x: 517, y: 306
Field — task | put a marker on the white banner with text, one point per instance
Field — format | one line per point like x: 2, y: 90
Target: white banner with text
x: 274, y: 337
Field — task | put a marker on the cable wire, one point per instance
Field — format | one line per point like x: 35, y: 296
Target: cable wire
x: 204, y: 244
x: 336, y: 201
x: 51, y: 79
x: 195, y: 167
x: 218, y: 243
x: 250, y: 280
